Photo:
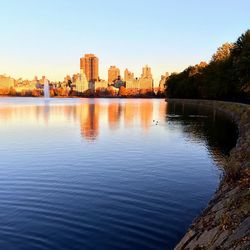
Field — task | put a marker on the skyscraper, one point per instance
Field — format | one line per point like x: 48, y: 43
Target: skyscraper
x: 146, y: 80
x: 128, y: 76
x: 81, y: 83
x: 113, y: 74
x: 163, y: 81
x: 89, y: 64
x: 6, y: 81
x: 146, y: 72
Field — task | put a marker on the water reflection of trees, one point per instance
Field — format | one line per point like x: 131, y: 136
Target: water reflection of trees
x: 198, y: 123
x: 204, y: 124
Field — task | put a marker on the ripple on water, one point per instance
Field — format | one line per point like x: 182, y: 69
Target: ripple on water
x: 86, y: 174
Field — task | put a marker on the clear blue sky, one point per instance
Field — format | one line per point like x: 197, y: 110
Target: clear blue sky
x: 47, y: 37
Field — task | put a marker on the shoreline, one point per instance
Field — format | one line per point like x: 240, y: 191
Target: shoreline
x: 225, y: 222
x: 88, y: 97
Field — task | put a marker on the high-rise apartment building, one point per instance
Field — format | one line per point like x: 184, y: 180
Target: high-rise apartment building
x: 146, y: 72
x: 133, y: 84
x: 113, y: 74
x: 89, y: 64
x: 81, y: 83
x: 128, y: 76
x: 146, y: 80
x: 6, y: 81
x: 163, y: 81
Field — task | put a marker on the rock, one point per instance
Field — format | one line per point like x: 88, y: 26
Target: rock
x: 205, y: 239
x: 232, y: 192
x: 218, y: 206
x: 242, y: 231
x: 229, y: 209
x: 188, y: 237
x: 222, y: 237
x: 219, y: 214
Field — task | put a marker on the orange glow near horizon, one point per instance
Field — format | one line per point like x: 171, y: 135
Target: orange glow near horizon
x: 88, y: 115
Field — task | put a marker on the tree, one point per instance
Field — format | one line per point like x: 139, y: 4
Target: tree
x: 222, y: 52
x: 12, y: 92
x: 227, y: 76
x: 111, y: 91
x: 241, y: 64
x: 122, y: 91
x: 36, y: 93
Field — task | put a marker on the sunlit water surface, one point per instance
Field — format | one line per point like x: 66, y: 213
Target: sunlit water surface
x: 105, y: 173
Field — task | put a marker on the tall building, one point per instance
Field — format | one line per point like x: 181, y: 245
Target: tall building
x: 113, y: 74
x: 146, y: 80
x: 101, y: 85
x: 163, y: 81
x: 146, y: 72
x: 75, y: 77
x: 6, y: 82
x: 128, y: 76
x: 81, y: 83
x: 89, y: 64
x: 133, y: 84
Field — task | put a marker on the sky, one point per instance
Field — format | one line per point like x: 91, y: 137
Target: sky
x: 47, y: 37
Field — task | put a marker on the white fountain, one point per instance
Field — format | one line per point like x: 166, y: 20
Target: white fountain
x: 46, y: 89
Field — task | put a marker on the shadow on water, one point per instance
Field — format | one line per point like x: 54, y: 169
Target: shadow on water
x: 204, y: 123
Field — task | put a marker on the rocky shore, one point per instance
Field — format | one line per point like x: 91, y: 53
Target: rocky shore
x: 225, y: 223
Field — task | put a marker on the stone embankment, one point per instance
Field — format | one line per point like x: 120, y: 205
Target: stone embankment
x: 225, y: 223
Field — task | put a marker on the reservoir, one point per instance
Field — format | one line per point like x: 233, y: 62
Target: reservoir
x: 106, y: 173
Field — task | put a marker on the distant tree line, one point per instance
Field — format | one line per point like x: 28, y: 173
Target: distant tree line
x: 99, y: 92
x: 123, y: 92
x: 225, y: 77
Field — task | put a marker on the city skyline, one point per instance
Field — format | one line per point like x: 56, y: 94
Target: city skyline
x: 39, y: 41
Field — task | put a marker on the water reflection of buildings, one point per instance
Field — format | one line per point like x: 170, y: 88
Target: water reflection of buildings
x: 25, y: 114
x: 89, y: 120
x: 196, y: 123
x: 130, y: 112
x: 146, y: 111
x: 114, y: 114
x: 163, y: 110
x: 142, y: 110
x: 91, y: 116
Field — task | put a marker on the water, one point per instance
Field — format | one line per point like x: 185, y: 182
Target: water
x: 101, y: 174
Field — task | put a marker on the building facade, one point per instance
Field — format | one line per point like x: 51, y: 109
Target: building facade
x: 6, y: 82
x: 90, y: 65
x: 163, y: 81
x: 81, y: 83
x: 128, y: 76
x: 133, y: 84
x: 146, y: 80
x: 113, y: 74
x: 101, y: 85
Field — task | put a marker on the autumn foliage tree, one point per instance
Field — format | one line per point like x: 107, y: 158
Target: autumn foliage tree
x: 110, y: 91
x: 122, y: 91
x: 223, y: 52
x: 4, y: 91
x: 226, y: 77
x: 36, y: 93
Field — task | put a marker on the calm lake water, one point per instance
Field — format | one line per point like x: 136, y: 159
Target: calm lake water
x: 105, y: 173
